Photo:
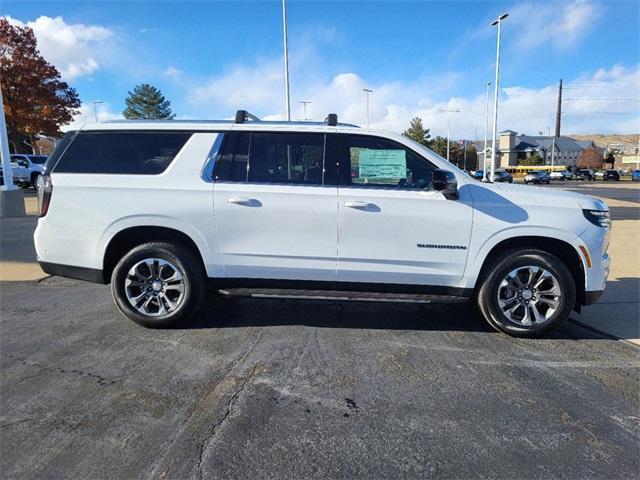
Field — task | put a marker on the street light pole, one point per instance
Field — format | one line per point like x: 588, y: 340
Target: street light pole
x: 304, y: 105
x: 449, y: 112
x: 486, y: 128
x: 497, y: 22
x: 95, y: 110
x: 286, y: 60
x: 367, y: 92
x: 553, y: 144
x: 4, y: 150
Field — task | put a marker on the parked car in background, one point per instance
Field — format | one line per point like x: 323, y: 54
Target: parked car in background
x: 21, y: 175
x: 584, y: 174
x: 635, y: 175
x: 564, y: 175
x: 34, y: 163
x: 611, y: 175
x: 478, y: 174
x: 536, y: 177
x: 502, y: 176
x: 599, y: 175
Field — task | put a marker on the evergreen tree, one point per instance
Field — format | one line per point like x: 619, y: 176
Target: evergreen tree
x: 531, y: 160
x: 417, y: 132
x: 147, y: 102
x: 439, y: 145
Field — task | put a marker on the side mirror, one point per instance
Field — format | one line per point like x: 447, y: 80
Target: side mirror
x: 445, y: 182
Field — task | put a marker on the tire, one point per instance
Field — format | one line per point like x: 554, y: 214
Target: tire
x: 178, y: 284
x: 491, y: 288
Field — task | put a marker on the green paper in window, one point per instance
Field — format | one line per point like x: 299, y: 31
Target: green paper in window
x: 382, y: 164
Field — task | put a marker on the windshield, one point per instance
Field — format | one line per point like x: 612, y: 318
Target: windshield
x: 39, y: 159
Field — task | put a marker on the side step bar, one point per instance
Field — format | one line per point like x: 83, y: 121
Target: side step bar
x: 340, y: 295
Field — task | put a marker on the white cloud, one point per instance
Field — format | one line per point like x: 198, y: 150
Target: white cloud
x: 260, y: 89
x: 74, y: 49
x: 562, y: 25
x: 88, y: 115
x: 172, y: 72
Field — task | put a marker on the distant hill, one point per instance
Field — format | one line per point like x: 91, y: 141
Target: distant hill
x: 623, y: 142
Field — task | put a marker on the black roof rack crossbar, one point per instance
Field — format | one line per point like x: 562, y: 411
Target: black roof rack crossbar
x: 242, y: 116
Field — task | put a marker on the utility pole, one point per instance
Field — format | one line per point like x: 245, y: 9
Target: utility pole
x: 286, y: 60
x: 367, y: 92
x: 464, y: 143
x: 559, y: 109
x: 304, y: 105
x: 498, y: 22
x: 449, y: 112
x: 486, y: 128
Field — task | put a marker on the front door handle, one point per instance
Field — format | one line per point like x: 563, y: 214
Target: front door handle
x: 244, y: 201
x: 358, y: 204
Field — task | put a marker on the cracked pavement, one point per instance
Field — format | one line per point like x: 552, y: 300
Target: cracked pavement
x: 265, y: 388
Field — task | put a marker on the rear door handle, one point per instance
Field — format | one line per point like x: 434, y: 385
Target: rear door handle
x: 244, y: 201
x: 357, y: 204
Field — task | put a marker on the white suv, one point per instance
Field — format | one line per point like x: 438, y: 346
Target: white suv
x: 161, y: 210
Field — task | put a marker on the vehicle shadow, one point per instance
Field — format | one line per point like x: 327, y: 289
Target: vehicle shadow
x: 234, y: 312
x: 494, y: 205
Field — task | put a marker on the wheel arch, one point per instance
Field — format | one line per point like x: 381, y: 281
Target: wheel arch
x: 559, y: 248
x: 130, y: 237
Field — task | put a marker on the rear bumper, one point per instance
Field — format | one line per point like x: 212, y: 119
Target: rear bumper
x: 592, y: 297
x: 69, y: 271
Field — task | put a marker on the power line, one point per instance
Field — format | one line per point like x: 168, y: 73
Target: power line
x: 604, y: 99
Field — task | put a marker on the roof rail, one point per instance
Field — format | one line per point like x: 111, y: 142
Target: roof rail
x: 332, y: 119
x: 242, y: 116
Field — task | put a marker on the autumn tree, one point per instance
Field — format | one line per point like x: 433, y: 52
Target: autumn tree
x: 146, y: 102
x: 35, y: 99
x: 417, y: 132
x: 590, y: 158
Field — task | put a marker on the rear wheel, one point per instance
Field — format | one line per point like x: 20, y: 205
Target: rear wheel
x: 158, y: 284
x: 526, y: 293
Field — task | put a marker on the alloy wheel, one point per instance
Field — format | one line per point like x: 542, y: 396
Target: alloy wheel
x: 529, y: 295
x: 154, y: 287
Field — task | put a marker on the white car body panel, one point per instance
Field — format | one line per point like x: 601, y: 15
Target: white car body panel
x: 406, y: 236
x: 307, y: 232
x: 88, y: 210
x: 281, y: 232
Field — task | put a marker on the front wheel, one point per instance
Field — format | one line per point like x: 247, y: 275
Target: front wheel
x: 158, y: 284
x: 526, y: 293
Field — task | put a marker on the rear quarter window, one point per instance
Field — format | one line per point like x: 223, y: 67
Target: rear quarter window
x: 130, y: 153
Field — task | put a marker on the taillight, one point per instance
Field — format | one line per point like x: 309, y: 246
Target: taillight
x: 45, y: 188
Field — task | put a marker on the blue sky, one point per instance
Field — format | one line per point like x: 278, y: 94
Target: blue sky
x: 210, y: 58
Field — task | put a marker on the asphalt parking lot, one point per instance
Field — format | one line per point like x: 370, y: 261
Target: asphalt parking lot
x: 266, y: 388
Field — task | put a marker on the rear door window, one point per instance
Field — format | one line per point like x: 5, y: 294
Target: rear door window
x: 234, y: 158
x: 288, y: 158
x: 132, y: 153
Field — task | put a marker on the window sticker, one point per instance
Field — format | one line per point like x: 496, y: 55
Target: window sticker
x: 382, y: 164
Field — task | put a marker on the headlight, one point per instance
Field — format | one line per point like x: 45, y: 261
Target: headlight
x: 600, y: 218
